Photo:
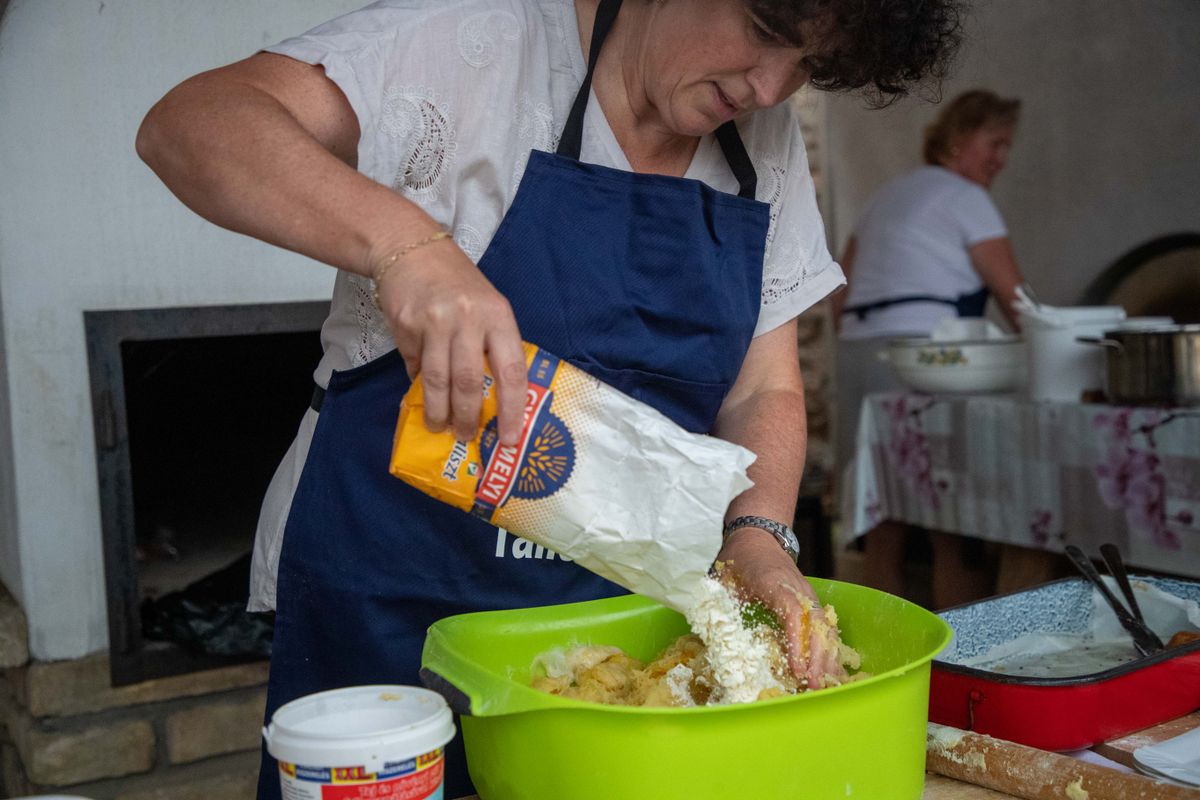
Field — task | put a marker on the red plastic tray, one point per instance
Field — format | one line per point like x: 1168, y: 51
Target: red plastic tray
x: 1058, y: 713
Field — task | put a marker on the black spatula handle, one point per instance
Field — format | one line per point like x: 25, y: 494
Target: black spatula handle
x: 1144, y: 639
x: 1116, y: 568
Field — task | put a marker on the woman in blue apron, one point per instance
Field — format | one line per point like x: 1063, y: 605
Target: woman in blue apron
x: 931, y: 245
x: 650, y: 282
x: 569, y: 225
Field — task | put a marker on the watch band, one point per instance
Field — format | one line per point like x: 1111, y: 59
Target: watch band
x: 782, y: 533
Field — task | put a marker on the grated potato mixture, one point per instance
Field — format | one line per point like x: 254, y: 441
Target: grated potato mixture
x: 721, y: 662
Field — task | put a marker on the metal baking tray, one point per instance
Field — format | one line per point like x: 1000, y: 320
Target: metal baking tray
x: 1058, y: 713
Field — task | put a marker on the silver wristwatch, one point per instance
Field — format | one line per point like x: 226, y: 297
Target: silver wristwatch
x: 782, y: 533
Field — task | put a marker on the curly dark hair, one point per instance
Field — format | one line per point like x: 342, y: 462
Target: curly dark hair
x: 882, y: 48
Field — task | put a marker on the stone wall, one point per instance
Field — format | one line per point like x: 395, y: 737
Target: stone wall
x: 64, y: 728
x: 816, y: 325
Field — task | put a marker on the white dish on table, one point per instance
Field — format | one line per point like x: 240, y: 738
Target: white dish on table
x: 995, y: 364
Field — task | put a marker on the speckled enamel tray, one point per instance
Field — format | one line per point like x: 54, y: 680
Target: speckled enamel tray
x: 1057, y: 713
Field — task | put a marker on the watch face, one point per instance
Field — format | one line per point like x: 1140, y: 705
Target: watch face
x: 789, y: 541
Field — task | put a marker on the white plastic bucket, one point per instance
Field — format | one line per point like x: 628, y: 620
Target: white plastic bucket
x: 362, y: 741
x: 1061, y: 368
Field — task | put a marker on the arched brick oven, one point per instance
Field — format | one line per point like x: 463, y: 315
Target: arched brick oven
x: 1160, y: 277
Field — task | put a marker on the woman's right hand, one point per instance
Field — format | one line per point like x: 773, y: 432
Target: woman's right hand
x: 762, y: 571
x: 446, y: 318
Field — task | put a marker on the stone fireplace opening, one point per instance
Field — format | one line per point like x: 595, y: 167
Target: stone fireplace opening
x: 193, y: 408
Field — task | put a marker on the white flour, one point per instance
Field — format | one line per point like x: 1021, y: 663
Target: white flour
x: 679, y: 681
x: 739, y: 659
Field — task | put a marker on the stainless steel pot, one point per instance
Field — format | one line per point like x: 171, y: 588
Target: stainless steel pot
x: 1158, y: 366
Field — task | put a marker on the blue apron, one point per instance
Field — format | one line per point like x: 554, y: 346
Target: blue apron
x: 650, y: 283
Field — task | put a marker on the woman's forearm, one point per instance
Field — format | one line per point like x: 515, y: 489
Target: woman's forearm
x: 266, y: 147
x: 248, y: 150
x: 771, y: 424
x: 764, y: 413
x: 993, y: 259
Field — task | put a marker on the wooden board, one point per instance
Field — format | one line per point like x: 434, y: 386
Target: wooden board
x: 1121, y: 750
x: 938, y: 787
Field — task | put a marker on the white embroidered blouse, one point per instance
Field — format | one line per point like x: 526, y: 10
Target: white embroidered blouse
x: 451, y: 96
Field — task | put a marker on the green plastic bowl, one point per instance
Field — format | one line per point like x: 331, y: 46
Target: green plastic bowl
x: 865, y: 739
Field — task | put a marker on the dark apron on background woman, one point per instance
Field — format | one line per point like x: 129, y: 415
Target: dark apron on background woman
x: 650, y: 283
x: 965, y: 305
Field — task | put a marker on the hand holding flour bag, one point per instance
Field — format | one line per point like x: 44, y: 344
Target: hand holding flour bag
x: 597, y: 477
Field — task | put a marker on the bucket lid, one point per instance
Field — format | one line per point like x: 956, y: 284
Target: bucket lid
x: 367, y: 726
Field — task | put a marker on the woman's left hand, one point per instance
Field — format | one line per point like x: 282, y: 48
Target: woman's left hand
x: 763, y: 571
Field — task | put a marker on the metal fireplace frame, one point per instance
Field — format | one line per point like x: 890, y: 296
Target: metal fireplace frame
x: 134, y: 659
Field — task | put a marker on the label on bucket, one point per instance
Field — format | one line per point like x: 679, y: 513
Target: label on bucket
x: 417, y: 778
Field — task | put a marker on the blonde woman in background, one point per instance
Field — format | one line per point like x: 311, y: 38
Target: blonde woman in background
x: 930, y: 245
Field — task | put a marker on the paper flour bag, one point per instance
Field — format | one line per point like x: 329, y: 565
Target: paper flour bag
x: 597, y: 477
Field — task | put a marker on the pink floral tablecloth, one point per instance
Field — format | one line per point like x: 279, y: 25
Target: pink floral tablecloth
x: 1035, y: 474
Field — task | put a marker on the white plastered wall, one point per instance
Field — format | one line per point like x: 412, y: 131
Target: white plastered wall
x: 84, y: 225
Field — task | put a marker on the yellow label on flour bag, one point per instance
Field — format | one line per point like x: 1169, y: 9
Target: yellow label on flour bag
x: 479, y: 476
x: 596, y: 476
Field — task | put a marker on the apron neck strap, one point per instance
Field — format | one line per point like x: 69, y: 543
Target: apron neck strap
x: 738, y: 159
x: 570, y: 144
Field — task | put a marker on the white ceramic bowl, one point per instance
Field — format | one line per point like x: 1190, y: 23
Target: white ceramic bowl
x: 979, y: 365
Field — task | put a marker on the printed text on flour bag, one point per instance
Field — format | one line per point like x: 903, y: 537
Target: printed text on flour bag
x: 509, y: 546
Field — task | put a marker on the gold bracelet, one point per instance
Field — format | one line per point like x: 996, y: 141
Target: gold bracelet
x: 403, y: 251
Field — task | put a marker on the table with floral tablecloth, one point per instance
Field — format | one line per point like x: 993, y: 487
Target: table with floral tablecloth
x: 1040, y: 475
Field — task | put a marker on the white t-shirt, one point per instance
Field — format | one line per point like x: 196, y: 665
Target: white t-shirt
x: 913, y: 240
x: 451, y: 95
